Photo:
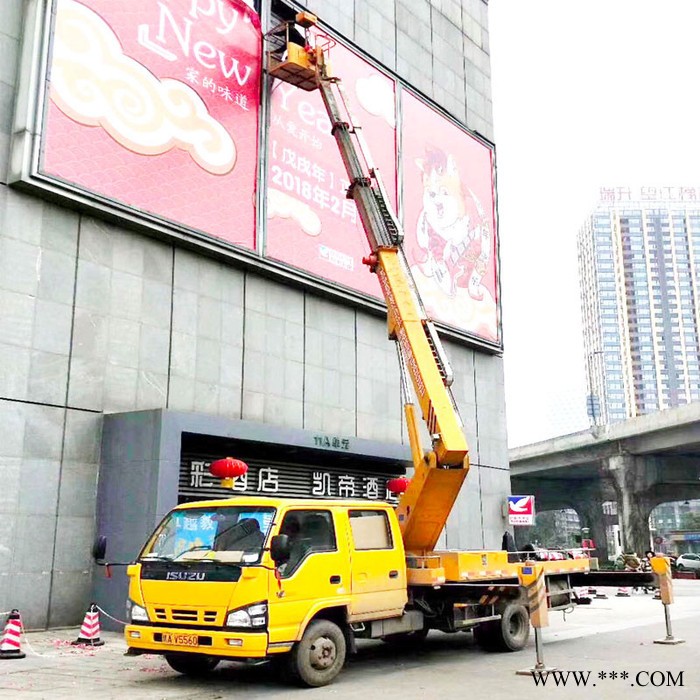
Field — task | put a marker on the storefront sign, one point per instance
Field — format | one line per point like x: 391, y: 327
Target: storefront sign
x: 298, y: 481
x: 153, y: 105
x: 650, y: 193
x: 332, y: 442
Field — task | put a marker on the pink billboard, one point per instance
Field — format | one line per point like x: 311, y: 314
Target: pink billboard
x: 449, y: 220
x: 310, y: 223
x: 154, y: 105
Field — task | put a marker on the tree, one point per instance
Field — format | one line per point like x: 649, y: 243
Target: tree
x: 545, y: 531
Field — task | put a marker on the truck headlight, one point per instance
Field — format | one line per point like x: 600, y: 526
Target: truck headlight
x: 135, y: 612
x: 251, y: 616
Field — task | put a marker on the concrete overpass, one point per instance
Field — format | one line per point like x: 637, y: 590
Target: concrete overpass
x: 640, y: 463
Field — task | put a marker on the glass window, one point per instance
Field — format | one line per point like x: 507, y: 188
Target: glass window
x: 232, y: 534
x: 370, y: 529
x: 309, y: 532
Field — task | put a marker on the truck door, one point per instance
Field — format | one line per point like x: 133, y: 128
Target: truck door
x: 318, y: 571
x: 378, y: 566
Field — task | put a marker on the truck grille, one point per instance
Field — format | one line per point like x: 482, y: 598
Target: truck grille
x: 192, y: 616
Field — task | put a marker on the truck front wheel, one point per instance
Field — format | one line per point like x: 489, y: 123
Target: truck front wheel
x: 318, y: 658
x: 191, y: 664
x: 510, y: 633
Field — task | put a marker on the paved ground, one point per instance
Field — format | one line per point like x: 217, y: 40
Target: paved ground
x: 610, y: 636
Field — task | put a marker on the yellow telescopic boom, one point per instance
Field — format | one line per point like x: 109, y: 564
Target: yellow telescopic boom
x: 424, y: 508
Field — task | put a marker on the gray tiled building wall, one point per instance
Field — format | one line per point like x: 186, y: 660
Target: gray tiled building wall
x: 441, y: 47
x: 95, y: 318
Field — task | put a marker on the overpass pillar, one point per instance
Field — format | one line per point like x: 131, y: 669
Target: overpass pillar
x: 630, y: 478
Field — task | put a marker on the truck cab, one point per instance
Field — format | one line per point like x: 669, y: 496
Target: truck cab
x: 205, y: 587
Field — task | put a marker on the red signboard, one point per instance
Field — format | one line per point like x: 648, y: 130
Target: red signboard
x: 154, y: 104
x: 311, y: 225
x: 449, y: 219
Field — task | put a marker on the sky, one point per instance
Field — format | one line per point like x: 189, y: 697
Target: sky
x: 586, y: 94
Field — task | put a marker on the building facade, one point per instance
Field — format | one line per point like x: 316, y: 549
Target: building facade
x: 639, y: 258
x: 164, y: 302
x: 676, y: 526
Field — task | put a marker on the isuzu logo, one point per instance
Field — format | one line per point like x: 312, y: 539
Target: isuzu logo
x: 185, y: 576
x: 170, y: 571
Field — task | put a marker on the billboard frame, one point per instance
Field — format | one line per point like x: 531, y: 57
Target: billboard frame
x: 444, y: 327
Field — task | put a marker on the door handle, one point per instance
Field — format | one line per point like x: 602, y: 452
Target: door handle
x: 393, y: 574
x: 335, y: 579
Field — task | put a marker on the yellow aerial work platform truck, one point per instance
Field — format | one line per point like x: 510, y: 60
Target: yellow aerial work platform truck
x: 299, y: 581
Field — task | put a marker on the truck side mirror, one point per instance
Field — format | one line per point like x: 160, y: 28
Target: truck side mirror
x: 280, y: 549
x: 99, y: 548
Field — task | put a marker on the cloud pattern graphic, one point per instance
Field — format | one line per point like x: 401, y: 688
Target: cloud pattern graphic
x: 94, y: 83
x: 285, y: 206
x: 376, y: 95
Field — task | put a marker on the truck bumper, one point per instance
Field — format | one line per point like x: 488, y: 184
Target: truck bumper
x: 174, y: 640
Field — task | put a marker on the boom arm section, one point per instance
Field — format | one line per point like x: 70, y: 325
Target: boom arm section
x: 424, y: 508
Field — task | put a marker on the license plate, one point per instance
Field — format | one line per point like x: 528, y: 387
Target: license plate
x: 182, y: 640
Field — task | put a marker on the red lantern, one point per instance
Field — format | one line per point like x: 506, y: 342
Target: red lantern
x: 228, y: 469
x: 398, y: 485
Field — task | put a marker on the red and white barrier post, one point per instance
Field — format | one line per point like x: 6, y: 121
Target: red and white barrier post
x: 10, y: 646
x: 90, y: 629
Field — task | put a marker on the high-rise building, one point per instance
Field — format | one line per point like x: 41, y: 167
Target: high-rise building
x: 639, y: 259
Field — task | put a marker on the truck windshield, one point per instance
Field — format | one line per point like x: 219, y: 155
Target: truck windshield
x: 234, y: 534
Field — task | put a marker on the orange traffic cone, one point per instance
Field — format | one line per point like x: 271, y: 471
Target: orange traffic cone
x: 10, y: 647
x: 90, y: 629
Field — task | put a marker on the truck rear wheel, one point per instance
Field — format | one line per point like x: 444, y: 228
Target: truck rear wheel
x: 510, y: 633
x: 319, y: 657
x: 194, y: 665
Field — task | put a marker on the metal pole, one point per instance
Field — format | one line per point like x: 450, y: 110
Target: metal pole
x: 667, y: 615
x: 538, y: 649
x: 669, y: 639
